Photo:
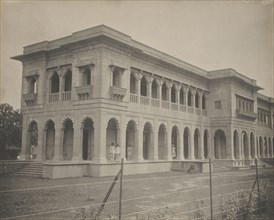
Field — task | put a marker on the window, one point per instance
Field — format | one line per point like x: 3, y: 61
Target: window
x: 116, y: 78
x: 55, y: 83
x: 68, y: 81
x: 218, y: 104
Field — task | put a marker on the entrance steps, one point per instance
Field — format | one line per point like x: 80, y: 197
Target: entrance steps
x: 30, y: 168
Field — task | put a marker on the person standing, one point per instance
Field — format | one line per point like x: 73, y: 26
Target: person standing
x: 111, y: 152
x: 129, y: 152
x: 32, y: 147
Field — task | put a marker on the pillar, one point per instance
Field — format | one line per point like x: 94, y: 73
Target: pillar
x: 169, y: 141
x: 185, y: 89
x: 122, y: 138
x: 180, y: 149
x: 155, y: 145
x: 77, y: 143
x: 191, y: 145
x: 201, y: 144
x: 40, y: 143
x: 100, y: 138
x: 58, y: 143
x: 25, y: 141
x: 140, y: 141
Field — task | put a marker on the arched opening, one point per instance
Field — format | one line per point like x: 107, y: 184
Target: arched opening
x: 68, y: 139
x: 154, y: 90
x: 206, y: 152
x: 55, y: 83
x: 265, y: 147
x: 86, y: 77
x: 245, y: 145
x: 162, y: 142
x: 164, y: 92
x: 68, y: 81
x: 186, y: 142
x: 50, y: 140
x: 269, y: 147
x: 203, y: 101
x: 197, y: 144
x: 147, y: 141
x: 236, y: 145
x: 182, y: 101
x: 220, y: 144
x: 133, y: 83
x: 261, y: 147
x: 175, y: 142
x: 88, y: 139
x: 116, y: 78
x: 144, y: 86
x: 111, y: 136
x: 189, y: 98
x: 32, y: 85
x: 33, y: 139
x: 252, y: 145
x: 131, y: 140
x: 173, y: 94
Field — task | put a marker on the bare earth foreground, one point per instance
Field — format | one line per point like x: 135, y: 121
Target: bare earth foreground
x: 79, y: 198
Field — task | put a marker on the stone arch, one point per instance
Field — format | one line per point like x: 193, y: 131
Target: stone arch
x: 245, y: 149
x: 187, y: 145
x: 164, y: 92
x: 162, y: 141
x: 133, y: 84
x: 112, y: 134
x: 68, y: 131
x: 206, y: 145
x: 147, y: 141
x: 173, y: 94
x: 265, y: 147
x: 49, y: 139
x: 67, y: 80
x: 236, y: 145
x: 261, y: 147
x: 87, y: 127
x: 197, y: 144
x: 252, y: 145
x: 32, y: 139
x: 131, y: 140
x: 55, y: 82
x: 175, y: 142
x: 144, y: 87
x: 219, y: 144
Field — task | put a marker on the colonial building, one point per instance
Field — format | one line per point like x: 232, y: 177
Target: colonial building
x: 98, y: 86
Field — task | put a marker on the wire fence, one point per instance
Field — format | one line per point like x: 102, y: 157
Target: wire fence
x: 197, y: 204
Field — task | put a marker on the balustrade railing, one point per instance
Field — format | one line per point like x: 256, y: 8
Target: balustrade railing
x: 174, y: 107
x: 144, y: 100
x: 133, y: 98
x: 155, y: 102
x: 66, y: 96
x: 54, y: 97
x: 165, y: 104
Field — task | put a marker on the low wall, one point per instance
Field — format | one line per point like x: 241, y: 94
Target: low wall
x: 190, y: 166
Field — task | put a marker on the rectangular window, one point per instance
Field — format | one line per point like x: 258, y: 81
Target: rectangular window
x: 218, y: 105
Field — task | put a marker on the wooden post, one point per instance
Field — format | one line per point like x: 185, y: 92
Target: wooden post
x: 121, y: 189
x: 258, y: 186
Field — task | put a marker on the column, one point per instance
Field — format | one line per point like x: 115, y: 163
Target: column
x: 138, y: 77
x: 193, y: 94
x: 168, y: 153
x: 61, y: 84
x: 25, y: 141
x: 177, y: 88
x: 77, y: 143
x: 201, y: 139
x: 190, y: 145
x: 123, y: 138
x: 58, y: 143
x: 44, y: 151
x: 169, y: 86
x: 248, y: 147
x: 155, y: 146
x: 200, y: 93
x: 229, y: 145
x: 159, y: 91
x: 255, y: 146
x: 149, y: 87
x: 100, y: 126
x: 40, y: 143
x: 140, y: 141
x: 180, y: 150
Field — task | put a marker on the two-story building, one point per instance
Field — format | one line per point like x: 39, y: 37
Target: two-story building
x: 98, y: 86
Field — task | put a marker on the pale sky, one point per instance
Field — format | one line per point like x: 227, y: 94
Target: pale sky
x: 207, y: 34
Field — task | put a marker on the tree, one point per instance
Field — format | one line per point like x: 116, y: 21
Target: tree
x: 10, y: 126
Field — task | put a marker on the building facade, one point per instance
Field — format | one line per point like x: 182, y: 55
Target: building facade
x: 98, y: 86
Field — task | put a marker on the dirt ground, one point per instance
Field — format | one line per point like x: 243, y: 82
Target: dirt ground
x: 79, y: 198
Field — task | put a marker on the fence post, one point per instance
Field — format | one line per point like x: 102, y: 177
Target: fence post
x: 121, y: 189
x: 210, y: 184
x: 258, y: 185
